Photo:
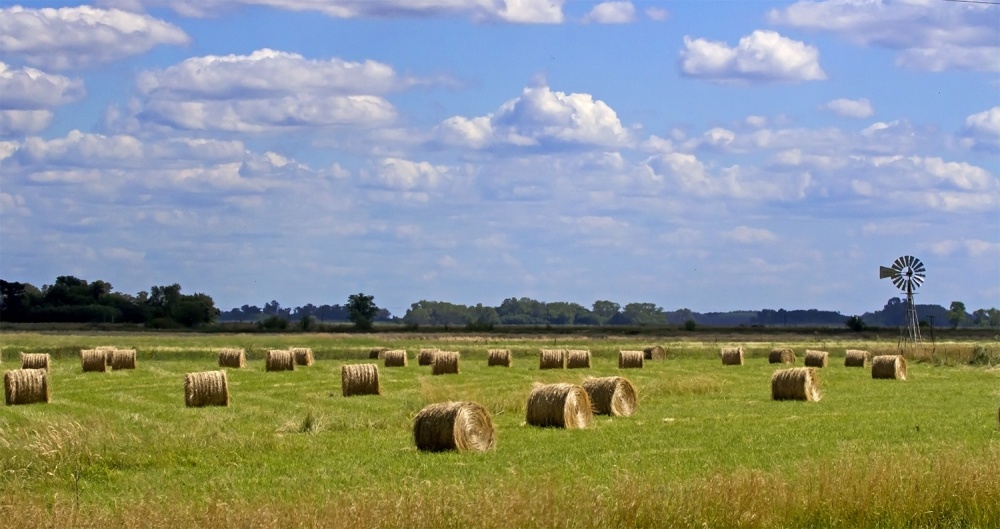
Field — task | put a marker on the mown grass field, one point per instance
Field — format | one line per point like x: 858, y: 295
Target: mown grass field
x: 707, y: 446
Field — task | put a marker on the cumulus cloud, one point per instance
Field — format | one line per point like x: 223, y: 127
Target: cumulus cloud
x: 932, y: 36
x: 761, y: 57
x: 748, y: 235
x: 612, y: 13
x: 514, y: 11
x: 691, y: 177
x: 851, y: 108
x: 80, y: 37
x: 971, y: 247
x: 982, y: 130
x: 15, y: 123
x: 31, y: 89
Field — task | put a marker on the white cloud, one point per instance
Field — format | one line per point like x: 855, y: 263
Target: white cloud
x: 657, y: 13
x: 612, y: 13
x: 31, y: 89
x: 81, y: 37
x: 13, y: 204
x: 982, y: 130
x: 972, y: 247
x: 406, y: 175
x: 748, y: 235
x: 81, y: 149
x: 690, y: 176
x: 14, y: 123
x: 933, y: 36
x: 761, y: 57
x: 851, y: 108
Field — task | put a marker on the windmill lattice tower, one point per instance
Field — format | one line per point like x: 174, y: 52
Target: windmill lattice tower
x: 907, y: 273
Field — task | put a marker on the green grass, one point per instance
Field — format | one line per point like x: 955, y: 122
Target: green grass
x: 707, y: 446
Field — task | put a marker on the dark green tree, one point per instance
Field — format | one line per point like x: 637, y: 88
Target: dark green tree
x: 362, y: 310
x: 957, y: 314
x: 855, y: 323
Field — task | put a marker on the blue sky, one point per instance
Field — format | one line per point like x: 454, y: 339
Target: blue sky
x: 706, y: 155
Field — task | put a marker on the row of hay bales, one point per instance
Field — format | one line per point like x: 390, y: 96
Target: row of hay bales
x: 883, y: 366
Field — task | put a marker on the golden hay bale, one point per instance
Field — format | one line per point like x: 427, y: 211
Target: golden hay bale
x: 577, y: 359
x: 552, y: 359
x: 611, y: 395
x: 232, y: 358
x: 463, y: 426
x: 781, y: 355
x: 123, y: 359
x: 108, y: 350
x: 279, y: 360
x: 35, y: 361
x: 26, y: 386
x: 797, y: 383
x: 631, y: 359
x: 93, y: 360
x: 857, y: 358
x: 817, y: 358
x: 377, y: 353
x: 499, y: 357
x: 426, y: 356
x: 445, y: 363
x: 889, y: 366
x: 560, y: 405
x: 303, y: 356
x: 359, y: 379
x: 654, y: 352
x: 208, y: 388
x: 395, y: 358
x: 732, y: 356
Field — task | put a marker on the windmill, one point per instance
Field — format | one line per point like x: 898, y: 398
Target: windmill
x: 907, y: 273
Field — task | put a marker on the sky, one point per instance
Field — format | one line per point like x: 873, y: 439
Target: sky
x: 709, y: 155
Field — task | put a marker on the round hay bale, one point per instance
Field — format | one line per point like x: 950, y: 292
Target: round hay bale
x: 499, y: 357
x: 377, y: 353
x: 889, y: 367
x: 462, y: 426
x: 279, y: 360
x: 797, y: 383
x: 552, y: 359
x: 577, y: 359
x: 395, y: 358
x: 426, y: 356
x: 233, y: 358
x: 108, y: 350
x: 359, y: 379
x: 445, y: 363
x: 122, y: 359
x: 208, y: 388
x: 817, y: 358
x: 631, y: 359
x: 857, y: 358
x: 35, y: 361
x: 560, y: 405
x: 654, y: 352
x: 26, y: 386
x: 611, y: 395
x: 781, y: 355
x: 94, y: 360
x: 303, y: 356
x: 732, y: 356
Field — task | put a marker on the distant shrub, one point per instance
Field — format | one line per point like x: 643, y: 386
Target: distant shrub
x: 274, y: 323
x: 690, y: 325
x: 984, y: 356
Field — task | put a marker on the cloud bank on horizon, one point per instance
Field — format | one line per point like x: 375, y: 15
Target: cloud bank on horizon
x: 712, y: 155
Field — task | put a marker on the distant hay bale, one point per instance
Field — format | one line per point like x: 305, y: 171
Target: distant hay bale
x: 426, y: 356
x: 560, y: 405
x: 732, y: 356
x: 377, y: 353
x: 462, y: 426
x: 208, y: 388
x: 35, y: 361
x: 279, y: 360
x: 359, y: 379
x: 857, y: 358
x: 303, y: 356
x: 611, y: 395
x: 889, y: 367
x: 781, y: 355
x: 233, y: 358
x: 122, y: 359
x: 654, y: 352
x: 797, y: 383
x: 551, y: 359
x: 395, y: 358
x: 631, y: 359
x: 26, y: 386
x: 445, y: 363
x: 94, y: 360
x: 499, y: 357
x: 817, y: 358
x: 108, y: 350
x: 577, y: 359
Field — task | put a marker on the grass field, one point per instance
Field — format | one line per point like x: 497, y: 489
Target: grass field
x: 707, y: 446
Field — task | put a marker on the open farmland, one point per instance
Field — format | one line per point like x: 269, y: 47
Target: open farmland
x: 706, y: 446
